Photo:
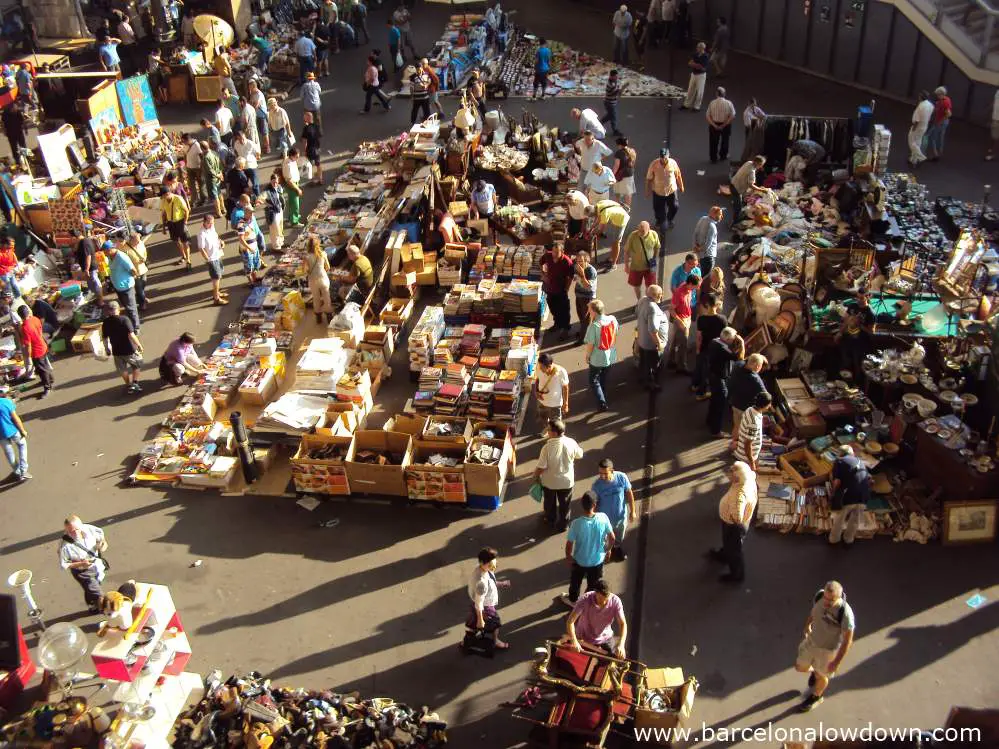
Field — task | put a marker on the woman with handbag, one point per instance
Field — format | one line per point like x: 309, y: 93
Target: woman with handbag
x: 372, y: 86
x: 81, y: 553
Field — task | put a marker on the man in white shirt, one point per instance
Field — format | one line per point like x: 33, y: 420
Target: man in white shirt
x: 223, y: 121
x: 720, y: 114
x: 305, y: 49
x: 588, y: 120
x: 591, y: 151
x: 622, y: 22
x: 292, y: 187
x: 554, y: 471
x: 211, y: 248
x: 192, y: 167
x: 551, y: 389
x: 576, y: 203
x: 598, y: 183
x: 247, y: 150
x: 917, y: 131
x: 80, y: 553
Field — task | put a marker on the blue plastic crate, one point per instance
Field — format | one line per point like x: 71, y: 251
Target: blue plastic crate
x: 483, y: 502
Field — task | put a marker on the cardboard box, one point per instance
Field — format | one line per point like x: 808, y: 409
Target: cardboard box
x: 340, y: 418
x: 681, y: 700
x: 375, y: 479
x: 462, y: 436
x: 487, y: 479
x: 403, y: 280
x: 406, y: 424
x: 809, y: 426
x: 431, y: 483
x: 412, y: 257
x: 88, y: 340
x: 262, y: 393
x: 821, y: 470
x: 318, y: 476
x: 396, y: 311
x: 499, y: 427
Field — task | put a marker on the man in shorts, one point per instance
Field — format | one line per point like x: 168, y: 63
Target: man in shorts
x: 121, y: 341
x: 211, y: 248
x: 311, y: 135
x: 828, y: 636
x: 641, y: 252
x: 612, y: 220
x: 175, y: 212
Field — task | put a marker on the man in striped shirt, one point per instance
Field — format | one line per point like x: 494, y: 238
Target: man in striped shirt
x: 612, y: 97
x: 751, y: 430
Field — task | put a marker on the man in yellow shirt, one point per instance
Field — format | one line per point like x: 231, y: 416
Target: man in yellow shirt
x: 175, y: 212
x: 361, y: 273
x: 612, y: 220
x: 641, y: 252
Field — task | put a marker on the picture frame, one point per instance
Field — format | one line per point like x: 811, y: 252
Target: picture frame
x: 757, y: 341
x: 969, y: 522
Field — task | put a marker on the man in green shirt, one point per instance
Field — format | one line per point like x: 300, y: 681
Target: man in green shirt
x: 211, y: 176
x: 641, y: 251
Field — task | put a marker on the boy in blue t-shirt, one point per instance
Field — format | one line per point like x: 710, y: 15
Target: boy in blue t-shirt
x: 13, y: 436
x: 542, y: 65
x: 613, y: 490
x: 588, y: 542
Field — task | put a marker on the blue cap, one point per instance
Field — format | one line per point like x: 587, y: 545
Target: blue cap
x: 107, y: 245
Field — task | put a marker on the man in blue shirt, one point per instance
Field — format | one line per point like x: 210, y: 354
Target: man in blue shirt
x: 305, y: 49
x: 706, y: 238
x: 13, y: 436
x: 108, y: 54
x: 613, y: 488
x: 394, y: 36
x: 689, y: 267
x: 123, y: 279
x: 542, y: 65
x: 587, y: 546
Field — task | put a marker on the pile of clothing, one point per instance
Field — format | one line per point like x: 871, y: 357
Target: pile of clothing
x: 247, y: 711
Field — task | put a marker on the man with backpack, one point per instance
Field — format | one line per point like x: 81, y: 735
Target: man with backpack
x: 601, y: 349
x: 827, y: 639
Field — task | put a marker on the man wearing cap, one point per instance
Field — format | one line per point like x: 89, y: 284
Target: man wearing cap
x: 720, y: 115
x: 311, y: 102
x: 664, y: 182
x: 13, y: 436
x: 123, y: 344
x: 123, y: 274
x: 622, y: 31
x: 36, y: 349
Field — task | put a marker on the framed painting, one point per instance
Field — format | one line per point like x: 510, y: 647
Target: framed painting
x: 969, y: 522
x: 136, y: 99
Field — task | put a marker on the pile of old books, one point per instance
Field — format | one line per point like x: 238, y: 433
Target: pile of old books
x: 506, y: 396
x: 481, y: 399
x: 427, y: 331
x: 471, y: 339
x: 522, y: 296
x: 456, y: 374
x: 450, y: 400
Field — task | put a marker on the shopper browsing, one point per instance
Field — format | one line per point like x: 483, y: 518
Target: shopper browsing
x: 122, y: 343
x: 180, y: 359
x: 601, y: 349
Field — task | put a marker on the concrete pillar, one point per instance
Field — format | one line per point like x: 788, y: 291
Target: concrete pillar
x: 237, y: 13
x: 59, y: 19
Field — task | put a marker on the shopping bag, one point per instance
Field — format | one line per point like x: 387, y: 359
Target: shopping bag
x: 537, y: 492
x: 399, y: 61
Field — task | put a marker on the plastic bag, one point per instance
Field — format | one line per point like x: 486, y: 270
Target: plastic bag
x: 399, y: 61
x: 537, y: 492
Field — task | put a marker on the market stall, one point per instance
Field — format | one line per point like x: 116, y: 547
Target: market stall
x: 142, y: 697
x: 880, y: 339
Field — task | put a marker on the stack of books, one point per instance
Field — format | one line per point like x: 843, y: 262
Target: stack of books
x: 522, y: 296
x: 481, y: 400
x: 431, y: 378
x: 450, y: 400
x: 426, y: 333
x: 506, y: 396
x: 471, y: 339
x: 423, y: 401
x: 456, y: 374
x: 443, y: 353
